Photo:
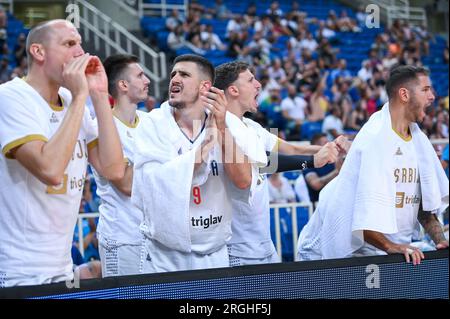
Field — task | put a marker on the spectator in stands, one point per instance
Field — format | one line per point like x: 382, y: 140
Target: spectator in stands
x: 187, y: 218
x: 264, y: 25
x: 332, y: 124
x: 294, y: 109
x: 277, y: 73
x: 365, y: 73
x: 20, y: 51
x: 150, y: 104
x: 176, y: 40
x: 174, y: 20
x: 45, y: 154
x: 211, y: 40
x: 259, y: 46
x: 280, y: 190
x: 118, y: 229
x: 250, y: 242
x: 235, y: 25
x: 90, y: 240
x: 3, y: 25
x: 236, y: 45
x: 340, y: 71
x: 85, y: 270
x: 318, y: 102
x: 91, y: 202
x: 361, y: 17
x: 5, y: 70
x: 444, y: 159
x: 220, y: 10
x: 441, y: 125
x: 445, y: 55
x: 3, y: 18
x: 250, y: 15
x: 309, y: 42
x: 274, y: 10
x: 317, y: 178
x: 358, y: 117
x: 373, y: 205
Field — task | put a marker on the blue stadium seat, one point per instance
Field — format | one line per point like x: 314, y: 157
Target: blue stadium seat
x: 308, y: 130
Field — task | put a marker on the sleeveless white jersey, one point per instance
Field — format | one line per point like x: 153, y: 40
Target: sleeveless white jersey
x: 37, y: 220
x: 251, y: 220
x: 119, y: 218
x: 209, y: 205
x: 408, y: 194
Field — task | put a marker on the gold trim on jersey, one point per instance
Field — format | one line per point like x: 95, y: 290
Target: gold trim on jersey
x: 277, y: 145
x: 406, y: 139
x: 92, y: 144
x: 134, y: 125
x: 57, y: 108
x: 8, y: 147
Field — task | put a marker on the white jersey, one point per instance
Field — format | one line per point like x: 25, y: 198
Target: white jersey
x: 119, y: 218
x: 37, y: 220
x: 408, y: 195
x: 209, y: 205
x: 251, y: 221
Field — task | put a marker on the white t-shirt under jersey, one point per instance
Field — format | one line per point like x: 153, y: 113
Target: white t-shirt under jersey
x: 119, y: 218
x: 251, y: 221
x: 37, y: 220
x: 408, y: 194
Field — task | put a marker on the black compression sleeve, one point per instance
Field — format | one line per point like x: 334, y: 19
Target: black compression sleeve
x: 290, y: 162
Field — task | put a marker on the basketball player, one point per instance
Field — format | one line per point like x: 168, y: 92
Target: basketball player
x: 251, y: 242
x: 118, y: 227
x: 181, y: 180
x: 47, y: 136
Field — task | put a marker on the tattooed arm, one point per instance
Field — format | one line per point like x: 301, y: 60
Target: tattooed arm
x: 433, y: 228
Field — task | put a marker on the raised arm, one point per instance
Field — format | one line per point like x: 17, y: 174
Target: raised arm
x: 107, y: 156
x: 47, y: 160
x: 236, y: 164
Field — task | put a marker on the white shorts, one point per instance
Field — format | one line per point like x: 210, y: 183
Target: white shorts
x: 120, y: 260
x: 159, y: 258
x: 241, y: 261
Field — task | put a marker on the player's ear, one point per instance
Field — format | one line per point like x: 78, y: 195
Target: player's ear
x: 37, y: 51
x: 232, y: 90
x: 403, y: 94
x: 122, y: 85
x: 205, y: 86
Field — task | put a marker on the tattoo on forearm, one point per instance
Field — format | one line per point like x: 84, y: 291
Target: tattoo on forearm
x: 432, y: 226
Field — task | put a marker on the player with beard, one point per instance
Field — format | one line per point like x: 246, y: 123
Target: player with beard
x: 390, y: 181
x: 181, y: 181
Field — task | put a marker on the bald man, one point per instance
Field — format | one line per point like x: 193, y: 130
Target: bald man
x: 47, y: 138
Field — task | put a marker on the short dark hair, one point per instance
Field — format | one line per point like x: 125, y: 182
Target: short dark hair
x: 403, y: 75
x: 203, y: 64
x: 316, y: 137
x: 114, y: 67
x: 228, y: 72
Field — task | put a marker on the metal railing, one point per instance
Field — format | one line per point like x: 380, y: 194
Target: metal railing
x: 400, y: 9
x: 109, y: 36
x: 294, y: 223
x: 275, y: 207
x: 139, y: 8
x: 80, y: 229
x: 161, y: 9
x: 8, y: 5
